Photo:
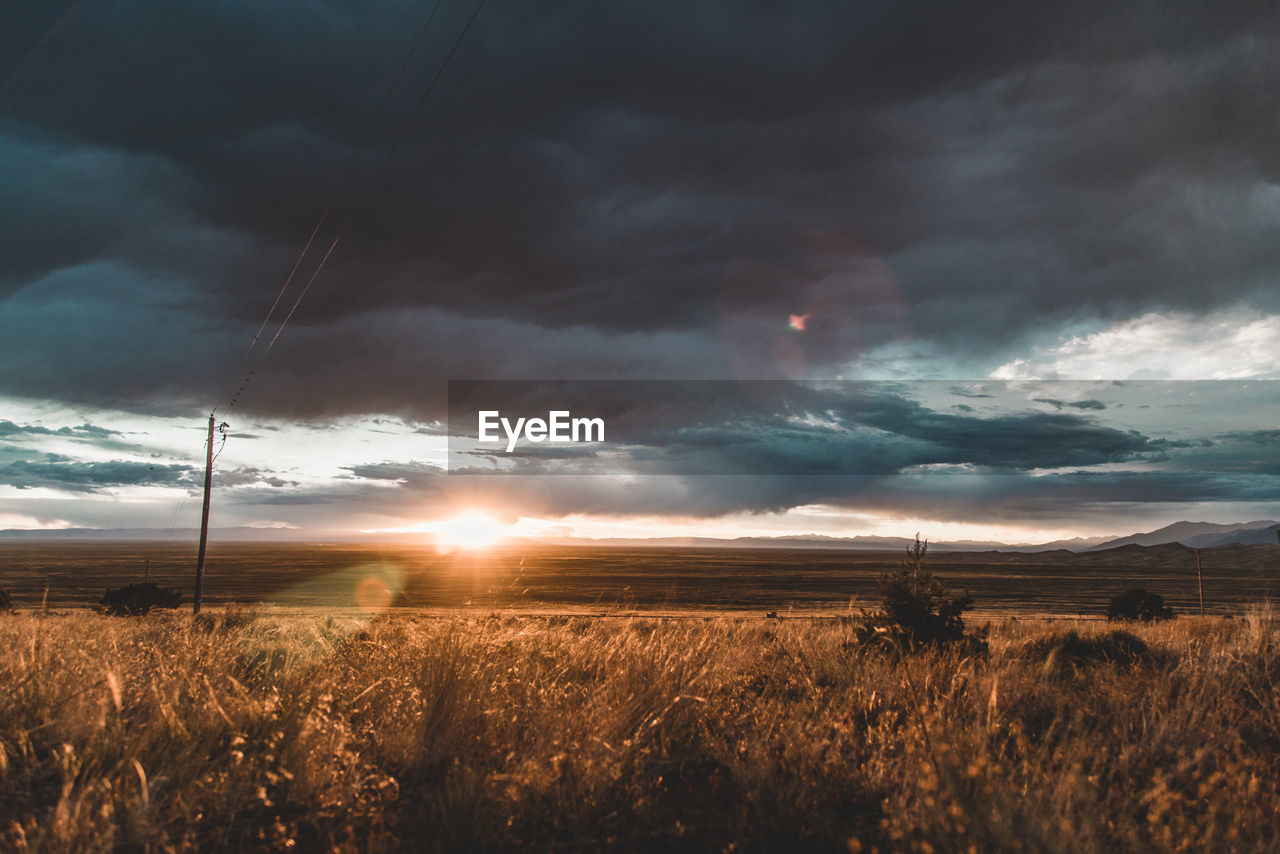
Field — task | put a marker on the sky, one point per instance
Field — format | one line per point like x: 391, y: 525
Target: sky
x: 1069, y: 208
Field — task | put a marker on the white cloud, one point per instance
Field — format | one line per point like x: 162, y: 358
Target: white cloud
x: 22, y: 522
x: 1173, y: 345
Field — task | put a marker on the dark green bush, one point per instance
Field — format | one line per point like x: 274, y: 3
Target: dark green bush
x: 1138, y: 604
x: 137, y: 599
x: 918, y: 611
x: 1071, y: 651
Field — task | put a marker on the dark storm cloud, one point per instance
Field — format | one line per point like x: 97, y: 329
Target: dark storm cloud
x: 901, y: 440
x: 1073, y: 404
x: 1016, y: 440
x: 84, y: 431
x: 23, y: 468
x: 401, y: 472
x: 1238, y: 452
x: 74, y: 476
x: 972, y: 175
x: 250, y: 476
x: 894, y: 452
x: 774, y: 446
x: 785, y: 428
x: 1268, y: 437
x: 84, y: 434
x: 399, y: 488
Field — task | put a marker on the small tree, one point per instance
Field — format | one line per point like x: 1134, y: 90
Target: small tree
x: 1137, y: 603
x: 6, y: 601
x: 917, y: 609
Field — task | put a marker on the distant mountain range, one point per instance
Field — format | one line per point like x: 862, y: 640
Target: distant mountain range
x: 1197, y: 535
x: 1201, y: 535
x: 820, y: 541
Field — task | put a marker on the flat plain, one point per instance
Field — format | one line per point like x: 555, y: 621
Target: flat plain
x: 610, y: 580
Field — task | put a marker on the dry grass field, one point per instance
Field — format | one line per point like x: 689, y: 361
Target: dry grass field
x: 243, y: 730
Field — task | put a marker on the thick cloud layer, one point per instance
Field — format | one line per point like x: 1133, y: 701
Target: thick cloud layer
x: 647, y: 190
x: 962, y: 178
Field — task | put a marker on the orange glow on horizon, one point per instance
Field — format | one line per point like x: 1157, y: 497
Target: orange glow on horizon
x: 470, y: 531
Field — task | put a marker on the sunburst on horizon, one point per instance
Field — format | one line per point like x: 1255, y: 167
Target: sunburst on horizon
x: 470, y: 530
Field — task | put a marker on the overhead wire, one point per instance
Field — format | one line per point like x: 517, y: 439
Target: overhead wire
x: 392, y: 150
x: 355, y: 158
x: 363, y: 144
x: 330, y: 204
x: 222, y: 429
x: 49, y: 35
x: 404, y: 130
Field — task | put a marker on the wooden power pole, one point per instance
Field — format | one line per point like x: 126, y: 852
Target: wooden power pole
x: 1200, y: 579
x: 204, y: 519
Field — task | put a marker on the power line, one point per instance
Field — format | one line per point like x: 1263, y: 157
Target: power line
x: 49, y: 34
x: 222, y: 429
x: 351, y: 167
x: 350, y: 170
x: 210, y: 456
x: 396, y: 144
x: 296, y: 264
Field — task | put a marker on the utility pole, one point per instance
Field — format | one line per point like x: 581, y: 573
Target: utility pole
x: 204, y: 519
x: 1200, y: 579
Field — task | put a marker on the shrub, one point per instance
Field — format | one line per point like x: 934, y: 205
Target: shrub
x: 918, y: 610
x: 1071, y: 650
x: 6, y: 601
x: 138, y: 599
x: 1138, y: 604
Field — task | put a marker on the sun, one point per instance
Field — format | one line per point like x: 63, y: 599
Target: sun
x: 469, y: 531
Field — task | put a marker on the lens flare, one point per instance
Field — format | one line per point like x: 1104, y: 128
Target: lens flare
x: 838, y: 299
x: 373, y: 594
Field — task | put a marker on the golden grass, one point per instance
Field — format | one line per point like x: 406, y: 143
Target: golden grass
x: 246, y: 732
